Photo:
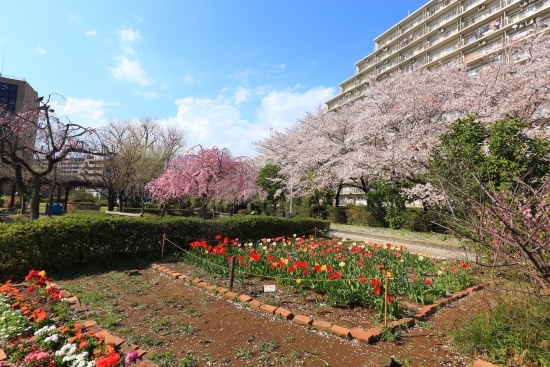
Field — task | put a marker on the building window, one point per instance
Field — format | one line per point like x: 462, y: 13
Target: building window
x: 8, y: 96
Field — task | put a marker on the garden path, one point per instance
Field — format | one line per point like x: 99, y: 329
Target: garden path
x: 418, y: 247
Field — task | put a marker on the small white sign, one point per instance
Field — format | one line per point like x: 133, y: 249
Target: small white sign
x: 269, y: 288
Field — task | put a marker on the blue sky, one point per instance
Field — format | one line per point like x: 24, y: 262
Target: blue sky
x: 226, y: 71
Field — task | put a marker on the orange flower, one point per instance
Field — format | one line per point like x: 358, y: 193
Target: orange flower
x: 82, y: 344
x: 64, y: 330
x: 109, y: 349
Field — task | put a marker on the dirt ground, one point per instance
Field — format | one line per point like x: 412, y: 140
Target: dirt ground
x: 170, y: 318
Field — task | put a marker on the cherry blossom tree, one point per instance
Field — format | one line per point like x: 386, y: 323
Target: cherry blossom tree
x: 34, y: 141
x: 208, y: 173
x: 388, y: 133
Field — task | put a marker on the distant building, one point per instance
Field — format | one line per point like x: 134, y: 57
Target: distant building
x: 443, y: 30
x: 17, y: 95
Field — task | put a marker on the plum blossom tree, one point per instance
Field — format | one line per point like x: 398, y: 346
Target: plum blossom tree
x: 495, y: 184
x: 208, y: 173
x: 34, y: 141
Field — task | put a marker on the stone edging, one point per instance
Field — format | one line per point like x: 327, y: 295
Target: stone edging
x: 91, y: 325
x: 369, y: 336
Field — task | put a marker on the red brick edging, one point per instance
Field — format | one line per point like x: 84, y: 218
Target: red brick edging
x: 368, y: 336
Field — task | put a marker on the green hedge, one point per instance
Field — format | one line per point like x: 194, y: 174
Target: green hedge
x: 59, y: 245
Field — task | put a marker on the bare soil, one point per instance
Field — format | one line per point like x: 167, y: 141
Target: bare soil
x: 163, y: 315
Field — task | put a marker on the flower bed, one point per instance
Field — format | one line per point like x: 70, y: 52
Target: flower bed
x: 30, y: 337
x: 347, y: 273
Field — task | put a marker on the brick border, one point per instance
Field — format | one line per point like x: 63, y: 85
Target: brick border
x: 91, y: 325
x: 370, y: 336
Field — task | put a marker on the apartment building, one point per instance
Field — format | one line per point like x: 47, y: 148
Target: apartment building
x: 16, y: 94
x: 443, y: 30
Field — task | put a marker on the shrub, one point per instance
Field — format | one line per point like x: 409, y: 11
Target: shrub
x: 337, y: 214
x: 419, y: 220
x: 81, y: 196
x: 65, y: 243
x: 359, y: 215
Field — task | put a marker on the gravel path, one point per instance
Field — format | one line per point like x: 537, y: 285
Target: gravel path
x: 434, y: 250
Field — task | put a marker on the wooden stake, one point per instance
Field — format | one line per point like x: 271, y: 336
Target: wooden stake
x: 162, y: 251
x: 232, y: 273
x: 386, y: 302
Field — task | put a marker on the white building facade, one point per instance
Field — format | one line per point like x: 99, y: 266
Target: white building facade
x: 443, y: 30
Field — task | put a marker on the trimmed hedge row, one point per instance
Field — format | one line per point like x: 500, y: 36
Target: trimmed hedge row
x: 63, y: 244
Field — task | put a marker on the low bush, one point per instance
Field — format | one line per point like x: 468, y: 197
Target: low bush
x: 65, y: 243
x: 337, y: 214
x: 359, y: 215
x: 418, y: 220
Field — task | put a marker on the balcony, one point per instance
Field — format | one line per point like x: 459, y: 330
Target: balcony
x: 415, y: 51
x: 364, y: 66
x: 483, y: 31
x: 411, y: 38
x: 519, y: 56
x: 386, y: 66
x: 443, y: 35
x: 443, y: 52
x: 469, y: 5
x: 386, y: 52
x: 387, y: 40
x: 407, y: 27
x: 482, y: 52
x: 417, y: 64
x: 438, y: 7
x: 441, y: 21
x: 480, y: 16
x: 529, y: 9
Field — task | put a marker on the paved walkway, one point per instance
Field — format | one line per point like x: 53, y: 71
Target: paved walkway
x: 417, y: 247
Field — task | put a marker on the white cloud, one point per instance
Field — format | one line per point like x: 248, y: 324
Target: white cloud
x: 130, y: 70
x: 219, y: 122
x: 126, y: 37
x: 83, y: 111
x: 281, y: 109
x: 91, y: 33
x: 241, y: 95
x: 190, y: 79
x: 75, y: 18
x: 128, y: 67
x: 148, y: 94
x: 39, y: 49
x: 243, y: 74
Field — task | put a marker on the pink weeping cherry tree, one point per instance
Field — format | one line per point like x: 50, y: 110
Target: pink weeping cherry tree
x: 208, y: 173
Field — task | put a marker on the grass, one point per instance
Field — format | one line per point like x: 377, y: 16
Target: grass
x: 515, y: 327
x: 401, y: 234
x: 268, y: 346
x: 243, y: 353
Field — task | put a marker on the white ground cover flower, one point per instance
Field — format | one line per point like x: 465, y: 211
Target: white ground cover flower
x: 70, y: 355
x: 12, y: 321
x: 44, y: 330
